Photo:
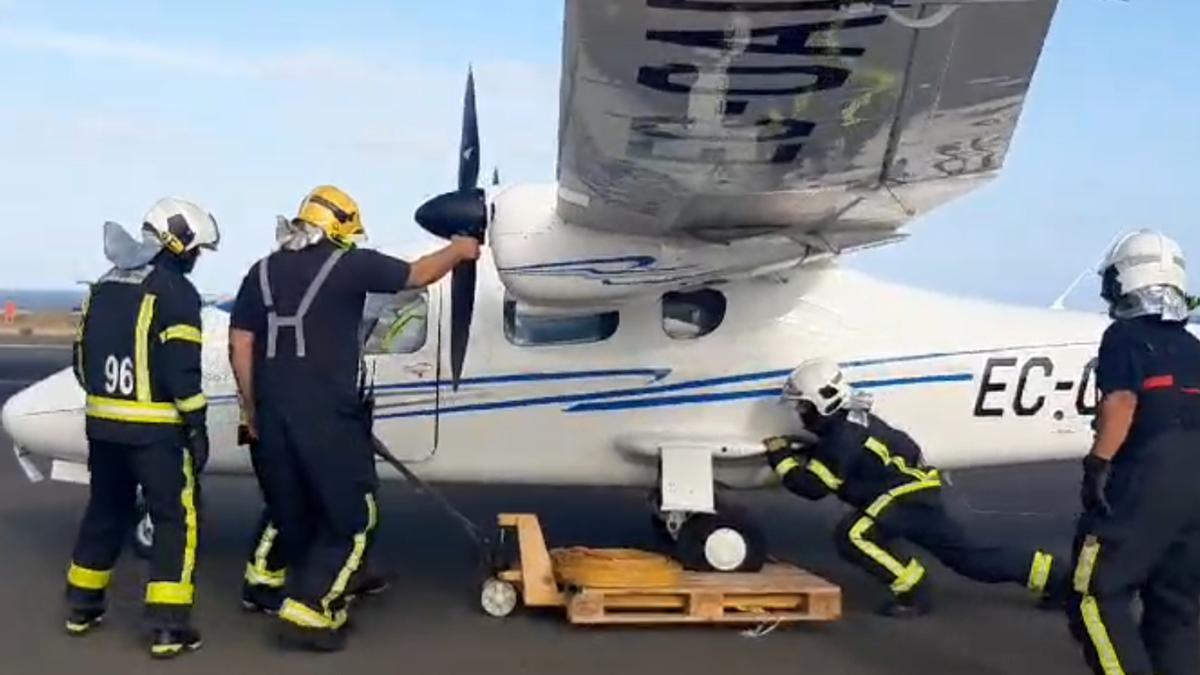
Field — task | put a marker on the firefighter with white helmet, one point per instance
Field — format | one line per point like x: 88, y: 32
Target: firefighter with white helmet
x: 137, y: 356
x: 1139, y: 534
x: 879, y: 471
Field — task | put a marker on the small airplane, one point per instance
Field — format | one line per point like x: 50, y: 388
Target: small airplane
x: 632, y: 323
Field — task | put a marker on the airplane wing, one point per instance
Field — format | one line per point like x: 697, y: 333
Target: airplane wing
x: 824, y: 119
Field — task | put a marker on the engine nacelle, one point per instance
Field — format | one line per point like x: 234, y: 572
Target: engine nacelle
x: 544, y: 261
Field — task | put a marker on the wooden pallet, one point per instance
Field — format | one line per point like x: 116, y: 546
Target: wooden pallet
x: 780, y: 593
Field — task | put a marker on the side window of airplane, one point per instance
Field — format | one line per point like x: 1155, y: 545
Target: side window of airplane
x: 395, y: 324
x: 536, y: 330
x: 691, y: 315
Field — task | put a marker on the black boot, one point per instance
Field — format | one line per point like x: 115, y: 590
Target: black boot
x: 366, y: 583
x: 167, y: 643
x: 1058, y: 591
x: 909, y: 605
x: 325, y: 640
x: 80, y: 621
x: 262, y: 599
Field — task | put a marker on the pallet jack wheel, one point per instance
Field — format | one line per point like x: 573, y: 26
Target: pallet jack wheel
x: 498, y: 598
x: 721, y: 543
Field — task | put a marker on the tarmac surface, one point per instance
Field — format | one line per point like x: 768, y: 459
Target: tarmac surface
x: 430, y: 622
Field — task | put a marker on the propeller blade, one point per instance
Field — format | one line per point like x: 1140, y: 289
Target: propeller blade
x: 462, y: 308
x: 468, y: 150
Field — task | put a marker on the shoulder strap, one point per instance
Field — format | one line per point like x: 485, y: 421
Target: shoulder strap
x: 264, y: 283
x: 275, y: 322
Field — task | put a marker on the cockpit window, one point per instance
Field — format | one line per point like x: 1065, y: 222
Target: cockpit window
x: 529, y: 330
x: 395, y: 324
x: 691, y: 315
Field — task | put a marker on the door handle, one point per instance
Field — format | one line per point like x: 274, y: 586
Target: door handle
x: 419, y: 369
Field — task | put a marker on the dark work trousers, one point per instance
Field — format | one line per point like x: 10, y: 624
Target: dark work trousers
x: 171, y: 491
x: 318, y: 478
x: 873, y: 541
x: 1149, y: 547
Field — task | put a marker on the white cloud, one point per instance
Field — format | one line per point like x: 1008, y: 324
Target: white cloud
x: 387, y: 129
x: 94, y: 46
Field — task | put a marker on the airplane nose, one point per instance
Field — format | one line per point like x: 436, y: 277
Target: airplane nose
x: 47, y: 417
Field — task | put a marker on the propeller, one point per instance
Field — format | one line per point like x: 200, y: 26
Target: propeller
x: 462, y: 212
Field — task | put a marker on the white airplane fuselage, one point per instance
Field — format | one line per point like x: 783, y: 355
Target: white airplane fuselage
x: 976, y: 383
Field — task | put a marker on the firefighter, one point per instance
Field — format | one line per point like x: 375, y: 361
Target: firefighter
x: 295, y: 348
x: 137, y: 356
x: 879, y: 471
x: 1139, y: 534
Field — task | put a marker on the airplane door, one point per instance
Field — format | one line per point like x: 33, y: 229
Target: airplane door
x: 401, y: 357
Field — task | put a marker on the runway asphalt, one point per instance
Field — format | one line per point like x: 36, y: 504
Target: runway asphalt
x: 430, y: 621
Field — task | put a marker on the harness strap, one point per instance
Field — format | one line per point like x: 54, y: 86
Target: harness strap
x: 276, y: 322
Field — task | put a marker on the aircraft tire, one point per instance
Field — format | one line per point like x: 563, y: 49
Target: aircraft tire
x: 721, y: 543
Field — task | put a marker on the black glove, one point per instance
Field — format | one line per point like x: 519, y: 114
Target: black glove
x: 1096, y: 472
x: 244, y: 437
x: 196, y: 441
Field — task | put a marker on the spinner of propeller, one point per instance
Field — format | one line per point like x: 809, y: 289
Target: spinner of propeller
x: 462, y: 212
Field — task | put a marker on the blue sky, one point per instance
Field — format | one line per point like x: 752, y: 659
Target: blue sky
x: 244, y: 106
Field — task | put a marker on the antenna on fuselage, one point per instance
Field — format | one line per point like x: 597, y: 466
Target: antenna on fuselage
x: 1061, y: 302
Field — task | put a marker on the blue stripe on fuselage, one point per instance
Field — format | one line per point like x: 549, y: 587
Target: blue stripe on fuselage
x: 667, y: 401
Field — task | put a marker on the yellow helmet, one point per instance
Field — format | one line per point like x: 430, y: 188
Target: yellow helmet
x: 334, y: 211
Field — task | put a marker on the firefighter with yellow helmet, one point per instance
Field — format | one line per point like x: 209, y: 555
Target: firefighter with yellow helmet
x: 295, y: 350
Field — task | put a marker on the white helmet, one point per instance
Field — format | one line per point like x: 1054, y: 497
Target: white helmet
x: 182, y: 226
x: 819, y: 382
x: 1140, y: 260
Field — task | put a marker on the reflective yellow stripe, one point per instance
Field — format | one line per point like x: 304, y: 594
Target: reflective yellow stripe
x: 141, y: 358
x: 264, y: 545
x: 899, y: 463
x: 1039, y: 572
x: 817, y: 468
x: 163, y: 650
x: 182, y: 332
x: 191, y: 403
x: 80, y: 329
x: 83, y: 313
x: 169, y: 593
x: 886, y: 498
x: 907, y: 576
x: 188, y: 499
x: 181, y: 592
x: 1105, y: 652
x: 1086, y: 564
x: 119, y: 410
x: 876, y: 446
x: 1090, y: 609
x: 258, y: 577
x: 257, y: 572
x: 303, y: 615
x: 88, y: 580
x: 355, y: 559
x: 783, y: 468
x: 913, y: 574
